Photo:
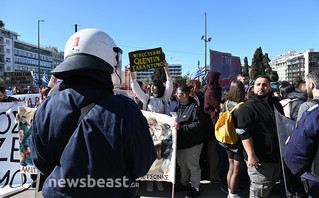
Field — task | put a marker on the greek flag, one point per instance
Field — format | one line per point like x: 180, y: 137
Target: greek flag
x: 45, y: 78
x: 205, y: 79
x: 35, y: 79
x: 197, y: 74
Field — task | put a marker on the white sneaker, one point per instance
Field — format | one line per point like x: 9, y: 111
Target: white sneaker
x: 234, y: 196
x: 160, y: 186
x: 149, y: 186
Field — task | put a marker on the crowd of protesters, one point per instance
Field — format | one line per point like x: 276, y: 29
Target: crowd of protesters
x: 257, y: 152
x: 201, y: 156
x: 7, y: 95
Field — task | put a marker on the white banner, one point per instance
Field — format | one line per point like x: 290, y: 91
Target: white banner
x: 24, y: 133
x: 9, y: 148
x: 164, y: 138
x: 31, y: 100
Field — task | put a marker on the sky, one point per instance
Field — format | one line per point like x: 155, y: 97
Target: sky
x: 238, y: 27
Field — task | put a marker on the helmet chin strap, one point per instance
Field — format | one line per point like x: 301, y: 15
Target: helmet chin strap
x: 115, y: 71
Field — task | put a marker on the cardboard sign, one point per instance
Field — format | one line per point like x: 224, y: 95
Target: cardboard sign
x: 146, y: 59
x: 18, y: 78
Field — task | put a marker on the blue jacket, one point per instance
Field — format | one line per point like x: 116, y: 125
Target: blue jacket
x: 303, y: 146
x: 111, y: 143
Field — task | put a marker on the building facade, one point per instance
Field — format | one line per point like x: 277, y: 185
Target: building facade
x: 144, y: 76
x: 17, y: 55
x: 6, y: 51
x: 293, y: 64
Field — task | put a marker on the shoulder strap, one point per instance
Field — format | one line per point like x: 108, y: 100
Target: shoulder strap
x: 227, y: 106
x: 165, y: 106
x: 84, y: 111
x: 236, y: 107
x: 148, y: 101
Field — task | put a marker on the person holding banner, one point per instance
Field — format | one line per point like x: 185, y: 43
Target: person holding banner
x: 86, y: 140
x: 256, y: 125
x: 4, y: 97
x: 160, y: 94
x: 190, y: 136
x: 156, y: 102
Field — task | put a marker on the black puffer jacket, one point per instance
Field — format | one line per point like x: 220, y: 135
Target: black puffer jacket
x: 298, y: 98
x: 190, y: 118
x: 257, y: 119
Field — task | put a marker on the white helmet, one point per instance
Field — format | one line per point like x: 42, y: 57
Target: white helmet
x: 89, y: 49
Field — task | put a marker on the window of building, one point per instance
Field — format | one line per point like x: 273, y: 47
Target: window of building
x: 8, y: 51
x: 8, y: 42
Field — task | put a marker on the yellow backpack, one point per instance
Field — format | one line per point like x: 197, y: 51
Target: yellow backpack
x: 225, y: 130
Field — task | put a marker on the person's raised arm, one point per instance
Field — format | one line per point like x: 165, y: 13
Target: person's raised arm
x: 166, y: 71
x: 131, y: 73
x: 169, y: 84
x: 137, y: 89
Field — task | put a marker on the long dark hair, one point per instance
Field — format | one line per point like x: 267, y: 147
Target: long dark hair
x: 186, y: 89
x: 236, y: 91
x: 160, y: 87
x: 285, y: 88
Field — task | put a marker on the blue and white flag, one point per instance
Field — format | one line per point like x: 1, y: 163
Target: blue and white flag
x: 205, y: 78
x: 45, y: 78
x: 35, y: 79
x: 197, y: 73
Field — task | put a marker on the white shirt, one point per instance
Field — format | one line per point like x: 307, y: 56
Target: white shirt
x: 155, y: 104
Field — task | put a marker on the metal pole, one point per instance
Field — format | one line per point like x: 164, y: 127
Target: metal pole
x: 205, y: 43
x: 39, y: 51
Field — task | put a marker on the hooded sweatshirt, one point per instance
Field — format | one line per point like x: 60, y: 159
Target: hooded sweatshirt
x: 257, y: 120
x: 213, y: 96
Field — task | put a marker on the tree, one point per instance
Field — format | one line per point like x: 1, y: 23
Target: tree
x: 1, y: 24
x: 246, y: 66
x: 257, y: 65
x: 182, y: 80
x: 266, y: 63
x: 159, y: 74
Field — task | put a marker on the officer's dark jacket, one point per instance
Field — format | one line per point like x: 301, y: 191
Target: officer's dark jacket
x: 257, y: 119
x: 190, y: 119
x: 302, y: 151
x: 111, y: 142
